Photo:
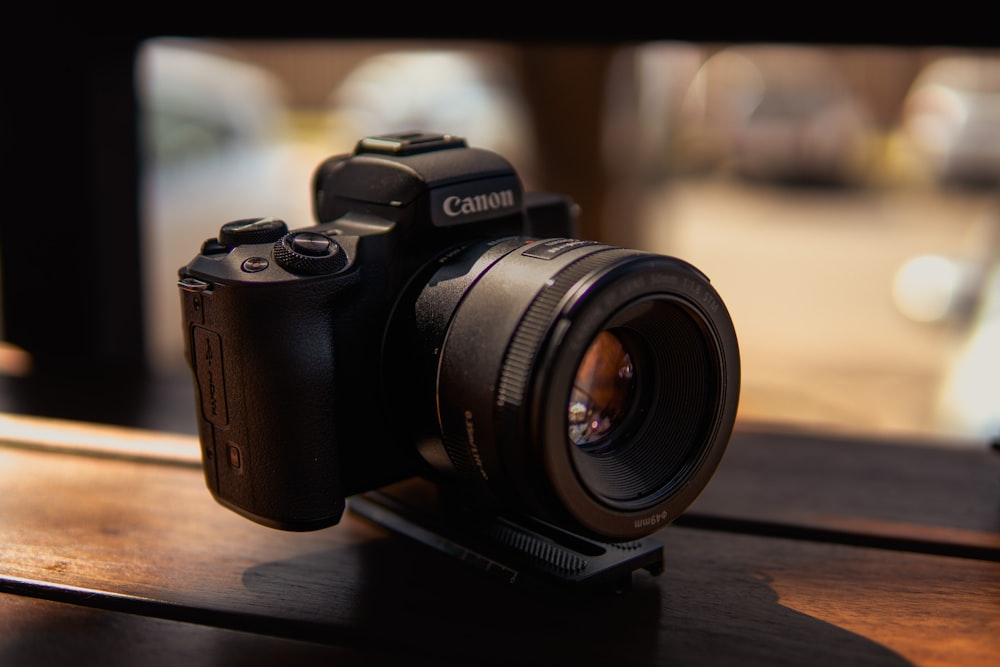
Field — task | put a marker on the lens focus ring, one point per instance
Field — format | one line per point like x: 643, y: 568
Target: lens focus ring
x: 515, y: 373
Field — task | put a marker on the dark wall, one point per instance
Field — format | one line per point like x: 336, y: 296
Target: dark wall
x: 70, y: 239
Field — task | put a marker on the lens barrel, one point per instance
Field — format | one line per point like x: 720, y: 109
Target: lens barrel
x: 592, y: 386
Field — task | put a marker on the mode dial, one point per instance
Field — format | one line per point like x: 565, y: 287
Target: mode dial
x: 252, y: 230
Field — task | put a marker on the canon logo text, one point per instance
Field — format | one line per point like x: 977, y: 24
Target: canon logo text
x: 490, y: 201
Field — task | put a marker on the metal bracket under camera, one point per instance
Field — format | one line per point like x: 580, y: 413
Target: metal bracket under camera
x: 517, y: 550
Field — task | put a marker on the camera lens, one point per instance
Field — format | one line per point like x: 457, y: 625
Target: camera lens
x: 592, y: 386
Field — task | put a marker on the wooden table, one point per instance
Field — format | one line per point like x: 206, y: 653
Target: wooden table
x: 804, y: 550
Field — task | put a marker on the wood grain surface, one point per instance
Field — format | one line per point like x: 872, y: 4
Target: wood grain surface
x: 105, y: 555
x: 929, y: 496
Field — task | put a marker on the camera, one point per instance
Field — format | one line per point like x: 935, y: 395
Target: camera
x: 439, y: 321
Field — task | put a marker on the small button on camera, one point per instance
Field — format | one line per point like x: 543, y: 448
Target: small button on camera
x: 309, y: 253
x: 254, y: 264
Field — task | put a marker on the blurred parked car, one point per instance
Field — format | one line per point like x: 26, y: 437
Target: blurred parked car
x: 779, y: 113
x: 951, y: 119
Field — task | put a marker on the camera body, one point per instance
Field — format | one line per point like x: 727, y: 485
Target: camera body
x: 284, y: 331
x: 408, y: 332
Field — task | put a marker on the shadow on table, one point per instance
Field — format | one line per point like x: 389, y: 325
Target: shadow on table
x: 409, y: 600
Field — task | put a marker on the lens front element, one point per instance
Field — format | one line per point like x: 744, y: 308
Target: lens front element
x: 602, y: 393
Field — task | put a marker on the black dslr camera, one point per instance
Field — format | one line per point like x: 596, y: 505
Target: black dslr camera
x: 439, y: 322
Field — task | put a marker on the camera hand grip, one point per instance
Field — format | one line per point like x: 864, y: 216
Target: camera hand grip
x: 264, y: 386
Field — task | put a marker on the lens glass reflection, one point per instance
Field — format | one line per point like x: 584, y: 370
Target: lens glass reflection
x: 602, y: 392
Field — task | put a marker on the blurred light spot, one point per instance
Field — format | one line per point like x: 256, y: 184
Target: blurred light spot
x: 926, y: 288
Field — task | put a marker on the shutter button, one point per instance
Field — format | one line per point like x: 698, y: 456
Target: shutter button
x: 310, y: 244
x: 309, y: 253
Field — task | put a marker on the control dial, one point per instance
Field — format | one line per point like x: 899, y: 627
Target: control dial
x: 309, y: 253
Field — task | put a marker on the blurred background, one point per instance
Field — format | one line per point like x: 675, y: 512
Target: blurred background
x: 842, y: 199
